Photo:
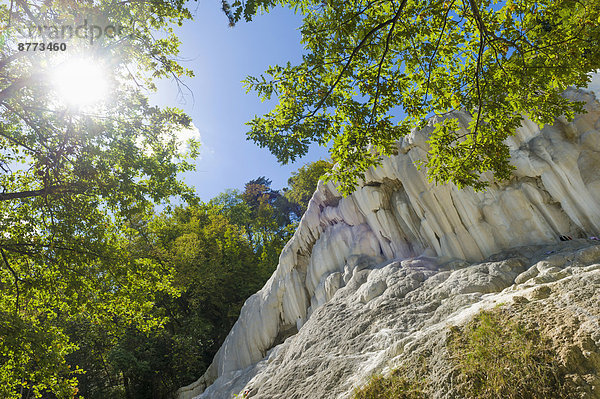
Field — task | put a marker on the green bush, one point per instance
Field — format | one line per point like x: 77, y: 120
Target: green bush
x: 492, y: 356
x: 499, y: 358
x: 395, y: 386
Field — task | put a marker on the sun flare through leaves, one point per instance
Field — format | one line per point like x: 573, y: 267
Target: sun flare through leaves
x: 80, y: 82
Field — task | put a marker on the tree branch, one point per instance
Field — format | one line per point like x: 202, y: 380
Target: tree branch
x: 385, y: 51
x: 14, y: 87
x: 13, y: 57
x: 483, y: 35
x: 16, y: 277
x: 353, y: 54
x: 437, y: 46
x: 70, y: 189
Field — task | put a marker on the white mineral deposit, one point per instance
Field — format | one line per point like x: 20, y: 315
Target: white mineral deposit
x: 369, y: 279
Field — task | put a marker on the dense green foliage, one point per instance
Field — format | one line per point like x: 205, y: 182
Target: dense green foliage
x: 211, y: 258
x: 394, y: 386
x: 270, y: 211
x: 374, y: 70
x: 220, y: 252
x: 72, y: 179
x: 303, y: 182
x: 215, y: 270
x: 99, y: 292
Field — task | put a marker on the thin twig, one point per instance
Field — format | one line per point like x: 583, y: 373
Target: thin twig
x: 385, y: 51
x: 16, y: 277
x: 437, y: 46
x: 353, y: 54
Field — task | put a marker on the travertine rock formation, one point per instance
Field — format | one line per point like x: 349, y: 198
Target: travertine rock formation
x: 367, y: 276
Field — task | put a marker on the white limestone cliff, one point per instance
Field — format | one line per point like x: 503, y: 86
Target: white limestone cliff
x: 398, y: 231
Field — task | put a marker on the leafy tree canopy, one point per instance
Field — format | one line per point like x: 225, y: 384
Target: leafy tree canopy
x: 217, y: 265
x: 303, y: 182
x: 215, y: 255
x: 74, y: 179
x: 368, y: 63
x: 271, y: 211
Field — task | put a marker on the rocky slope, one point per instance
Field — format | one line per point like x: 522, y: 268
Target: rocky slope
x: 370, y: 281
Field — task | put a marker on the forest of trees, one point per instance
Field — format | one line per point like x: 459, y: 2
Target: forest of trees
x: 220, y: 252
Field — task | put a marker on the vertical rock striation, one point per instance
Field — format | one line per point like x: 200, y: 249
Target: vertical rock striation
x: 397, y: 215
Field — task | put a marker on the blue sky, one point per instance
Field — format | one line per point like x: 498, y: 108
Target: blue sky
x: 221, y: 57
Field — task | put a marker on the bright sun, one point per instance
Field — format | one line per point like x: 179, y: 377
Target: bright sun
x: 80, y: 82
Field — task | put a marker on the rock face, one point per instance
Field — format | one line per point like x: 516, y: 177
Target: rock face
x: 371, y: 278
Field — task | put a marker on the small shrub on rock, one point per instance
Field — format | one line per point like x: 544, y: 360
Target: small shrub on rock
x: 395, y: 386
x: 499, y: 358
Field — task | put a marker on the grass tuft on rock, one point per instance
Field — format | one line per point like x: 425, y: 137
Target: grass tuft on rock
x: 394, y: 386
x: 496, y: 357
x: 492, y: 356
